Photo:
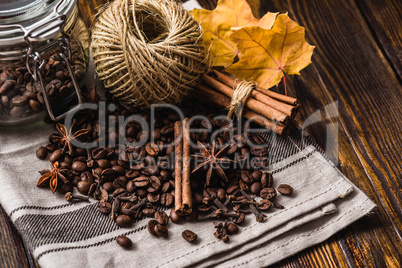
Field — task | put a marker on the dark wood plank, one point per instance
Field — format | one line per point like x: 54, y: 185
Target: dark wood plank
x: 384, y: 19
x: 12, y: 251
x: 349, y: 67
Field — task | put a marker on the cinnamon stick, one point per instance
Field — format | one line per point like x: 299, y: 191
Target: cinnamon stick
x: 252, y: 104
x: 208, y: 95
x: 178, y: 157
x: 283, y: 107
x: 186, y: 185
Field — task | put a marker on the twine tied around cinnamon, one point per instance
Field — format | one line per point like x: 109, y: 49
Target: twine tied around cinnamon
x: 147, y: 51
x: 241, y: 93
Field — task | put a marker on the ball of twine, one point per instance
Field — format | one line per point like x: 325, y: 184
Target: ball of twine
x: 147, y: 51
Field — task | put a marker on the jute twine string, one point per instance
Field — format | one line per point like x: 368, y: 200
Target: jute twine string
x: 241, y: 93
x: 147, y: 51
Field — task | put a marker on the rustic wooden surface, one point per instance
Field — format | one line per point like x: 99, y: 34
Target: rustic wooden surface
x: 358, y: 65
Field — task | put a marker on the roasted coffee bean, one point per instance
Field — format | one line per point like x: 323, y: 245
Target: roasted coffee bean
x: 7, y: 86
x: 256, y: 175
x: 83, y: 187
x: 266, y: 179
x: 165, y: 175
x: 141, y: 181
x: 104, y: 207
x: 87, y: 176
x: 124, y: 241
x: 268, y: 193
x: 192, y: 217
x: 244, y: 186
x: 80, y: 158
x: 152, y: 149
x: 104, y: 195
x: 265, y: 205
x: 104, y: 163
x: 246, y: 177
x: 119, y: 169
x: 98, y: 171
x: 108, y: 186
x: 120, y: 182
x: 256, y: 187
x: 132, y: 174
x: 141, y: 193
x: 167, y: 130
x: 130, y: 187
x: 233, y: 190
x: 239, y: 219
x: 119, y: 192
x: 65, y: 164
x: 259, y: 151
x: 165, y: 187
x: 153, y: 198
x: 124, y: 220
x: 176, y: 218
x: 41, y: 153
x: 285, y: 189
x: 257, y: 139
x: 151, y: 170
x: 92, y: 189
x: 155, y: 184
x: 189, y: 235
x: 166, y: 199
x: 56, y: 155
x: 149, y: 211
x: 79, y: 166
x: 161, y: 230
x: 221, y: 195
x: 109, y: 174
x: 161, y: 217
x: 151, y: 227
x: 232, y: 228
x: 35, y: 105
x: 19, y: 101
x: 65, y: 188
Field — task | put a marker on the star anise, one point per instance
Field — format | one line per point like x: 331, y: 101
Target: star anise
x: 67, y: 136
x: 213, y: 160
x: 52, y: 176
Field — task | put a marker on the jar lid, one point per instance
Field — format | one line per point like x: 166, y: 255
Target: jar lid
x: 13, y: 8
x: 16, y: 15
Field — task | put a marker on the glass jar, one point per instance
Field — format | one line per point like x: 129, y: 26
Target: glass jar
x: 44, y: 47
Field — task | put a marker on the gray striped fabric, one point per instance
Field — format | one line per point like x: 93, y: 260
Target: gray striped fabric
x: 76, y: 235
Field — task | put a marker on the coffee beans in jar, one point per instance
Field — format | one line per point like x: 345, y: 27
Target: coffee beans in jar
x: 35, y: 64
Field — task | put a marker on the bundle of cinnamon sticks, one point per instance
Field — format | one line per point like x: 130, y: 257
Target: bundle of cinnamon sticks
x: 268, y: 109
x: 183, y: 201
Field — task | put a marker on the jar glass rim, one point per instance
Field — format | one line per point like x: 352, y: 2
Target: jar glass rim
x: 40, y: 14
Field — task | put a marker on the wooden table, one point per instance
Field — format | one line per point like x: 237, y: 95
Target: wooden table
x: 358, y: 65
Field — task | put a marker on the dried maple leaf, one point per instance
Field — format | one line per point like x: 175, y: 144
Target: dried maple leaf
x: 267, y: 53
x: 218, y: 25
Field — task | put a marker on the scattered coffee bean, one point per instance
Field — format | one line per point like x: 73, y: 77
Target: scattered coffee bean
x: 232, y: 228
x: 161, y: 230
x: 175, y: 217
x: 41, y: 153
x: 124, y: 241
x: 285, y: 189
x: 161, y: 217
x: 151, y: 227
x: 189, y: 235
x: 124, y: 220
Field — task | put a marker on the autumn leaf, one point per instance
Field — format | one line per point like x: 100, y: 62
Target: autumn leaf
x: 218, y: 25
x: 267, y: 53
